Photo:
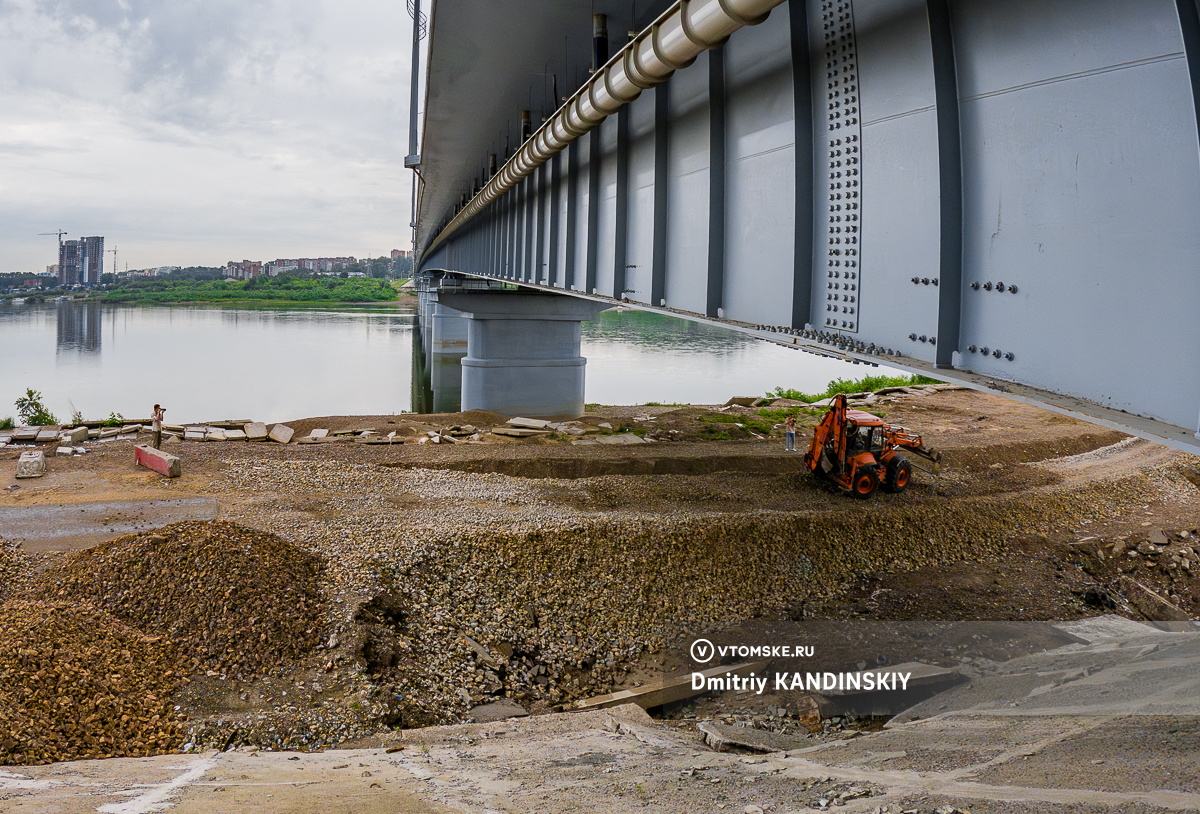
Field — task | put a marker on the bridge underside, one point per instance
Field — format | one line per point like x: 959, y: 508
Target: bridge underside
x: 1008, y: 192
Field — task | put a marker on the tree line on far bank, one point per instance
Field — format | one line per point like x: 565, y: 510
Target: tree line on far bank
x: 286, y: 287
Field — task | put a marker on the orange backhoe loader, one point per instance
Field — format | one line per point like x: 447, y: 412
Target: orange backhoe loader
x: 858, y: 451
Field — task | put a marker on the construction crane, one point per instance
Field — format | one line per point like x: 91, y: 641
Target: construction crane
x: 60, y: 233
x: 114, y: 254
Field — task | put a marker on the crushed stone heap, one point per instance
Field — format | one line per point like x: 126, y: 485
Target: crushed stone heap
x: 232, y: 599
x: 77, y: 683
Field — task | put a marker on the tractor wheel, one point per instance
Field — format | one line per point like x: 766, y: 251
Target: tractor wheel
x: 899, y: 473
x: 865, y: 482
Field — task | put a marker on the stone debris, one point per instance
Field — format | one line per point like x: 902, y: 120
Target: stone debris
x: 497, y: 711
x: 725, y: 738
x: 76, y: 683
x: 528, y: 423
x: 620, y: 438
x: 74, y: 437
x: 31, y: 464
x: 519, y: 432
x: 232, y: 599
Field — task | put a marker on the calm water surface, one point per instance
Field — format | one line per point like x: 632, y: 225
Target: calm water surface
x: 273, y: 364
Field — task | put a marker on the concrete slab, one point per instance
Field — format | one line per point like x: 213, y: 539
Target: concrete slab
x: 164, y: 463
x: 75, y: 436
x: 26, y: 433
x: 31, y: 464
x: 528, y: 423
x: 725, y: 738
x: 45, y: 436
x: 256, y: 431
x: 516, y: 432
x: 235, y: 435
x: 498, y: 711
x: 281, y: 433
x: 620, y: 439
x: 215, y: 434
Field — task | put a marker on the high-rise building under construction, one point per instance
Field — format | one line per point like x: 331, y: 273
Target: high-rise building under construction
x: 81, y: 262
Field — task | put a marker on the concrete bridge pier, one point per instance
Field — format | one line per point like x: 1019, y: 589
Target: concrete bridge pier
x: 523, y: 352
x: 445, y: 334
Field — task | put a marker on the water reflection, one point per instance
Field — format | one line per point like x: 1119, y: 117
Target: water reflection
x: 79, y: 326
x: 639, y: 356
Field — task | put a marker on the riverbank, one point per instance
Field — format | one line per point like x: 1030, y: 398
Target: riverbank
x: 455, y: 575
x: 282, y: 289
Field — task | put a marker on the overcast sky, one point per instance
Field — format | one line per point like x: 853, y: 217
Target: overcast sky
x: 194, y: 132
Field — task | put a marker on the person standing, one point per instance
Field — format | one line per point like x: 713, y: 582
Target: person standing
x: 789, y: 430
x: 156, y: 422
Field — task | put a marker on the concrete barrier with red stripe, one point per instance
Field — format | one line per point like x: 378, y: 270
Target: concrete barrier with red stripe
x: 161, y: 462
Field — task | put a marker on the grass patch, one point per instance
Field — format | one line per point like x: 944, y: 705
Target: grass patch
x: 862, y: 385
x: 753, y: 423
x: 666, y: 404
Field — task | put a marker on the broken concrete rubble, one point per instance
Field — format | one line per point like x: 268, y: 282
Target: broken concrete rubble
x: 31, y: 464
x: 256, y: 431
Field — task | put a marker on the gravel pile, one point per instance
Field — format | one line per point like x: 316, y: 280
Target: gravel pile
x: 77, y: 683
x: 496, y: 589
x: 9, y: 565
x: 232, y: 599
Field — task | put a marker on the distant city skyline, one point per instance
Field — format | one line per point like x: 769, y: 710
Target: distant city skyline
x: 190, y: 134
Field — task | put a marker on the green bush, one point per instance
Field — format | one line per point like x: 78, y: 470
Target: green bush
x: 6, y: 423
x: 32, y: 411
x: 862, y: 385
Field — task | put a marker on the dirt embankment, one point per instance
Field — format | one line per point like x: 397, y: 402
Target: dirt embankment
x: 351, y: 587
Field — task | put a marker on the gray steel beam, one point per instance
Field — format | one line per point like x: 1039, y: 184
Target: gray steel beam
x: 945, y: 78
x: 570, y: 278
x: 621, y: 231
x: 716, y: 183
x: 555, y: 217
x: 658, y: 262
x: 1189, y: 26
x: 802, y: 104
x: 593, y: 218
x: 532, y: 205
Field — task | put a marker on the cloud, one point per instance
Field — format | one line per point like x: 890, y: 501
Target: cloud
x: 233, y: 125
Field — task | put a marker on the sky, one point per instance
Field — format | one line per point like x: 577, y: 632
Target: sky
x: 195, y: 132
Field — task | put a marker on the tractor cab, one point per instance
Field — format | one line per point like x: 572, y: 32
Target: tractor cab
x: 864, y: 432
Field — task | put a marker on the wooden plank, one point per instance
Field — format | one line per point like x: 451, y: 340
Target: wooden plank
x: 667, y: 691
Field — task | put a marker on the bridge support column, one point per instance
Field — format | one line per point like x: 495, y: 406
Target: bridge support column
x: 523, y: 352
x: 446, y: 346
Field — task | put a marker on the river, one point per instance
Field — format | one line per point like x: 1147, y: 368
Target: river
x: 278, y: 363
